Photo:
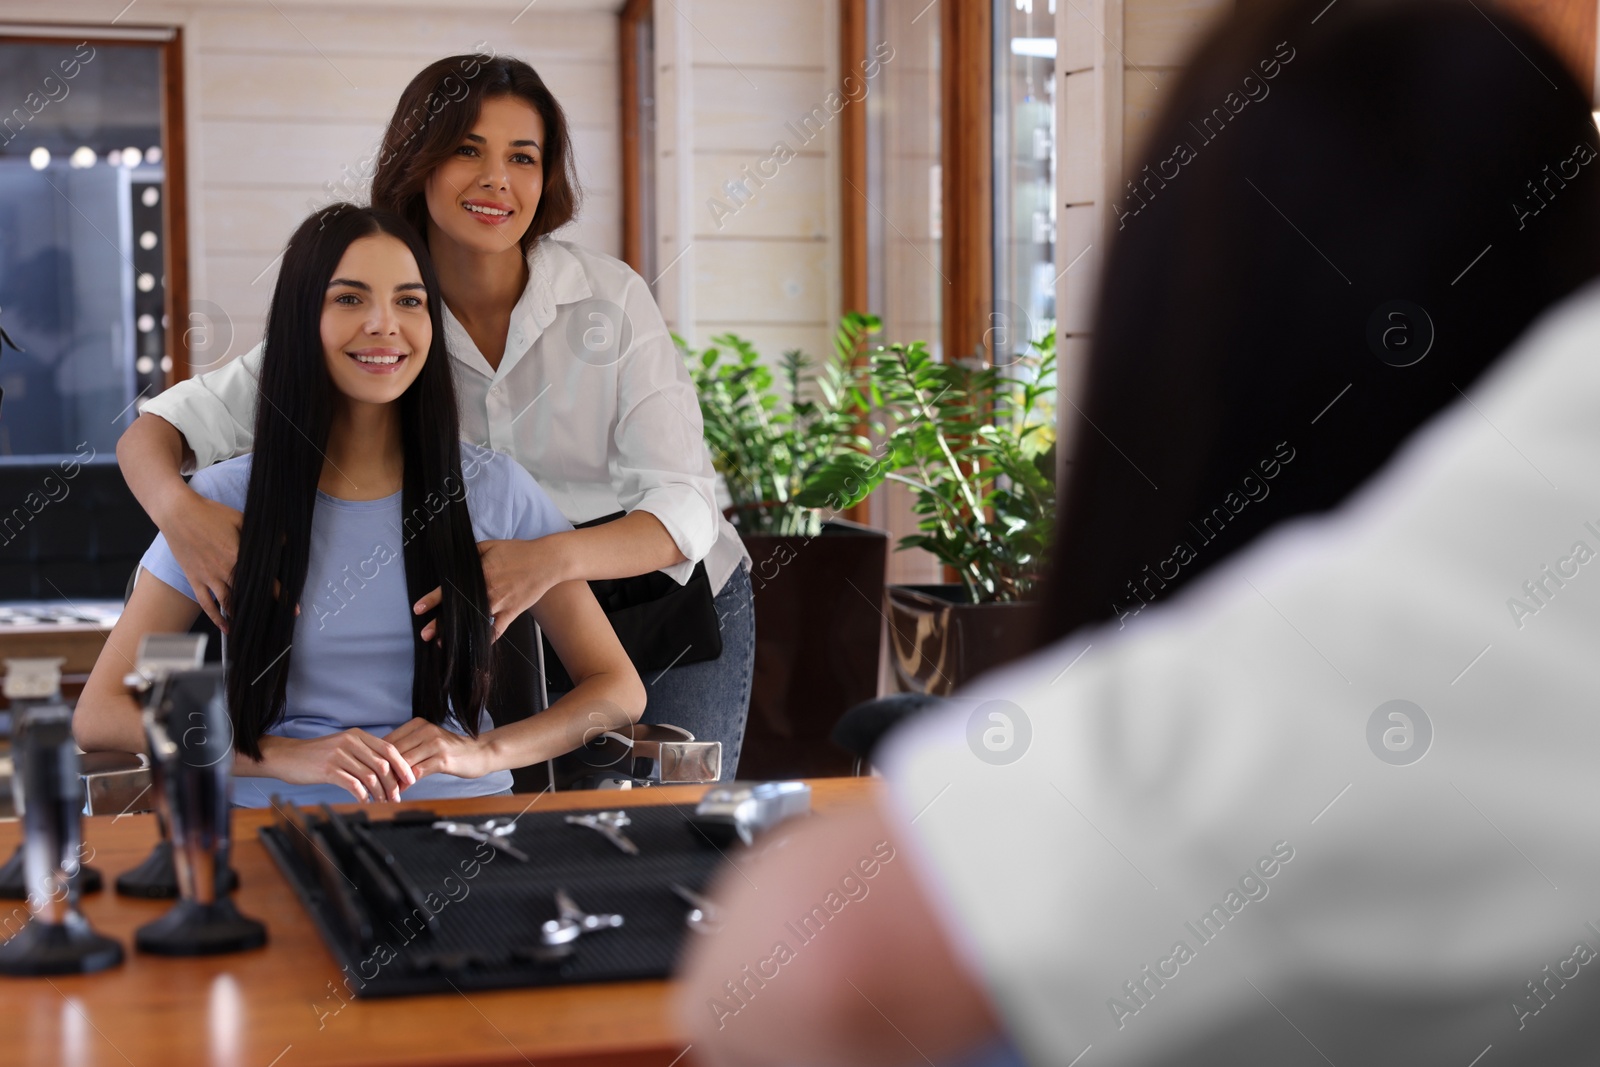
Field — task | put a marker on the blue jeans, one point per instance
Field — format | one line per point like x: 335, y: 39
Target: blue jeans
x: 712, y: 699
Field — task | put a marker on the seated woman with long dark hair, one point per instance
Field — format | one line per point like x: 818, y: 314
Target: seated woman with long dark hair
x: 359, y: 498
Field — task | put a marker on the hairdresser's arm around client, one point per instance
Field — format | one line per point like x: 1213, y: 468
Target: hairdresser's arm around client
x: 107, y: 718
x: 508, y: 505
x: 152, y: 453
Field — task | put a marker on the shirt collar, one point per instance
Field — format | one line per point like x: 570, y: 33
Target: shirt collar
x: 555, y: 277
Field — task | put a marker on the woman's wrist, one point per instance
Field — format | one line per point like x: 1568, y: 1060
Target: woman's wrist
x: 246, y: 767
x: 564, y: 555
x: 492, y: 745
x: 169, y: 498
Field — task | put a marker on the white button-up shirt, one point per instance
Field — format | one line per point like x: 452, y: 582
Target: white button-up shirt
x: 1338, y: 779
x: 591, y: 397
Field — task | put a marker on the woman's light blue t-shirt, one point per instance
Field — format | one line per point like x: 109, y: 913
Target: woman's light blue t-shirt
x: 351, y: 660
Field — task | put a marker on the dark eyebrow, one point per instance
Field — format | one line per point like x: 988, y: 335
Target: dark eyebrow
x: 514, y: 144
x: 365, y: 288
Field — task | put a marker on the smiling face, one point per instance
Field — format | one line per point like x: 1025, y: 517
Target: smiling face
x: 375, y: 326
x: 485, y: 194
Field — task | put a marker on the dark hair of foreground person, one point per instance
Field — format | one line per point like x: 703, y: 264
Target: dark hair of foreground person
x: 1333, y: 230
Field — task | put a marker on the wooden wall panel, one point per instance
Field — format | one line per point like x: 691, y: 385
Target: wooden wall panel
x: 1144, y: 92
x: 729, y: 117
x: 773, y: 33
x: 1078, y: 235
x: 766, y: 281
x: 1080, y: 165
x: 400, y: 33
x: 1077, y: 39
x: 775, y: 338
x: 752, y: 73
x: 1161, y: 33
x: 790, y: 205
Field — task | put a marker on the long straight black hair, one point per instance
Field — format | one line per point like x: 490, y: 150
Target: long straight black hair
x: 1330, y: 189
x: 293, y: 416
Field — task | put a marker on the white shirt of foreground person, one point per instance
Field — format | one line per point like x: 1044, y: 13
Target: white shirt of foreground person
x: 592, y: 398
x: 1222, y: 839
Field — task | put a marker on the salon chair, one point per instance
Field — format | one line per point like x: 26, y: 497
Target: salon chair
x: 639, y: 754
x: 860, y: 730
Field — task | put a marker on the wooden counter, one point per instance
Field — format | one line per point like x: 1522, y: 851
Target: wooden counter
x: 275, y: 1007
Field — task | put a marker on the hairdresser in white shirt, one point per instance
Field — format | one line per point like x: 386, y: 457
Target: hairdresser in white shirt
x: 1330, y: 800
x: 561, y: 361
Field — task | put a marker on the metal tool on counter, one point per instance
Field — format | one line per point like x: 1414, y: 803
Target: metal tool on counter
x: 57, y: 938
x: 32, y: 683
x: 610, y: 824
x: 650, y: 754
x: 121, y: 783
x: 574, y: 921
x: 498, y: 826
x: 704, y: 917
x: 494, y: 838
x: 116, y: 783
x: 160, y: 655
x: 741, y: 811
x: 191, y: 757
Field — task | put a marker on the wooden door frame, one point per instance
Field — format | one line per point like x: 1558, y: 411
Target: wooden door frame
x: 176, y: 214
x: 633, y: 22
x: 853, y: 206
x: 966, y: 150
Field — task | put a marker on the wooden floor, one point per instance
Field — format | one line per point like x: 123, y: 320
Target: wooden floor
x: 277, y: 1007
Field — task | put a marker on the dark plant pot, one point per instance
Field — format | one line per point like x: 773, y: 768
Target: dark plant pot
x: 939, y: 641
x: 817, y: 629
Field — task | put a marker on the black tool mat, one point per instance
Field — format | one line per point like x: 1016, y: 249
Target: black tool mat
x: 487, y: 907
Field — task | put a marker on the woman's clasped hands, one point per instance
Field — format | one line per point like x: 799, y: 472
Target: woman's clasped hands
x: 373, y: 768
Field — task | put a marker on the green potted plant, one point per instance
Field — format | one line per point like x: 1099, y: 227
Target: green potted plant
x: 976, y: 445
x: 817, y: 578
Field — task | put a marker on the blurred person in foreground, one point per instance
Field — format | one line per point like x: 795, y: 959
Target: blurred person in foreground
x: 1331, y: 802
